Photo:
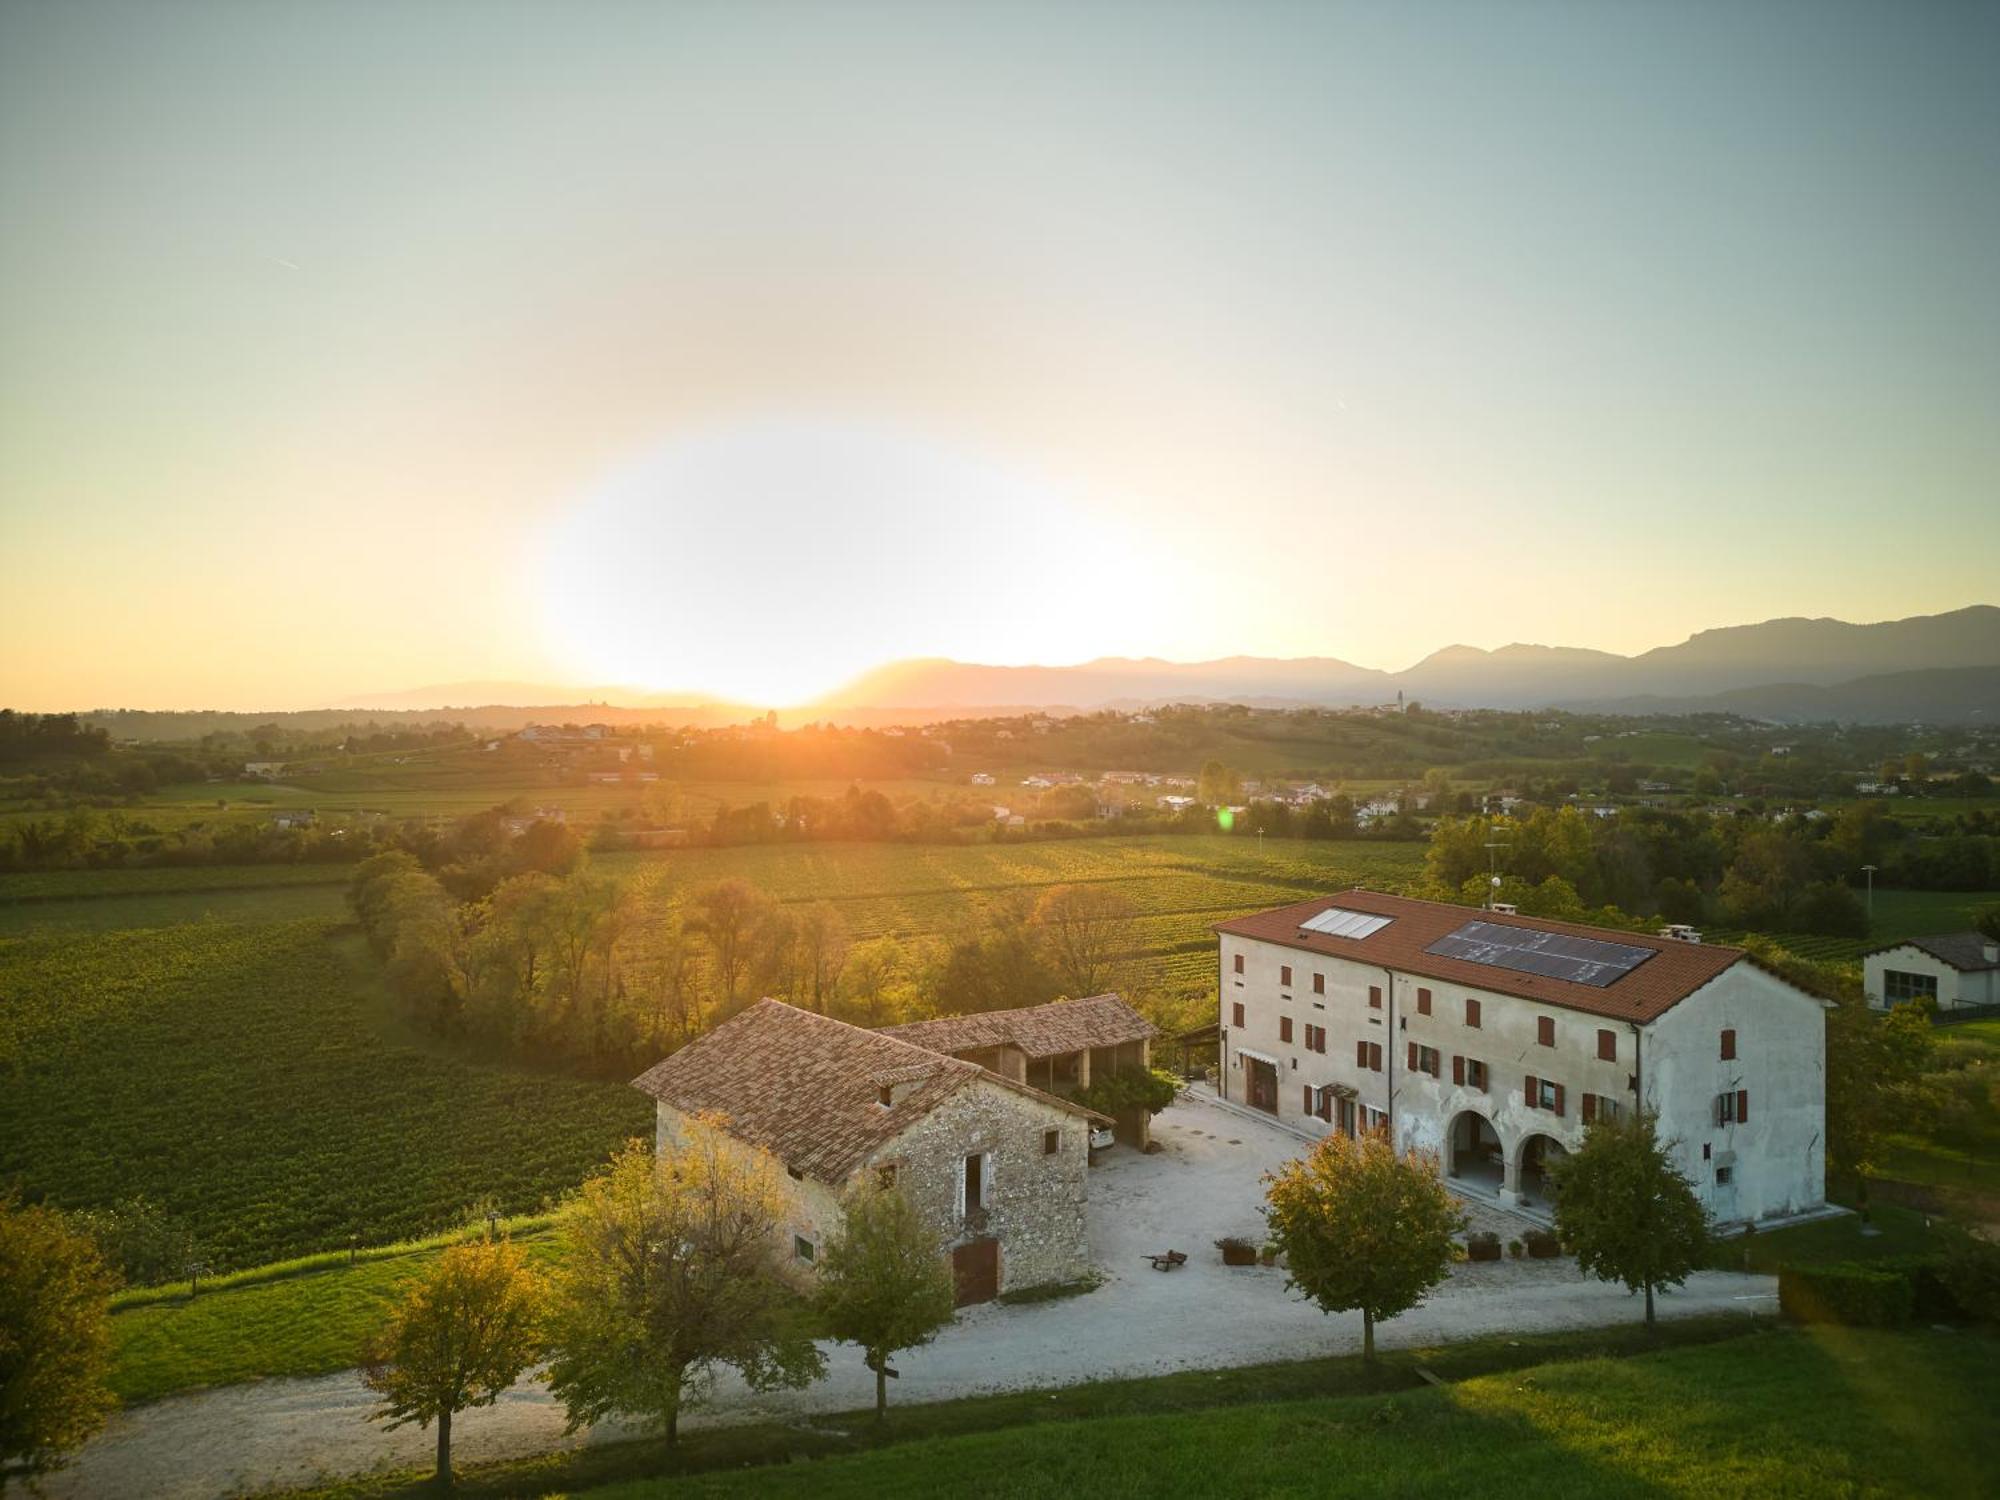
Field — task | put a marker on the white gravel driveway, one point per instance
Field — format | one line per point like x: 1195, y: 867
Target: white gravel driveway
x: 1203, y: 1185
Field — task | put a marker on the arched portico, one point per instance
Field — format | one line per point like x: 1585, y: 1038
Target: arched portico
x: 1529, y: 1170
x: 1473, y: 1152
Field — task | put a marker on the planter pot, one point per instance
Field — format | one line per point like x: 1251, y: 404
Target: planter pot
x: 1238, y: 1252
x: 1482, y: 1249
x: 1268, y: 1258
x: 1543, y: 1246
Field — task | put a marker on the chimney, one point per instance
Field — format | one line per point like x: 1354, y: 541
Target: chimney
x: 1990, y: 951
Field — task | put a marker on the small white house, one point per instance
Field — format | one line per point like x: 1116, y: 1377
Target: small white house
x: 1953, y: 969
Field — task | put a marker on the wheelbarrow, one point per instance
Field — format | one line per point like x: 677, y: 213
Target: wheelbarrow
x: 1168, y: 1261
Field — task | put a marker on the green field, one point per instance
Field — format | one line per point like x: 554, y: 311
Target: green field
x: 248, y: 1078
x: 1711, y: 1409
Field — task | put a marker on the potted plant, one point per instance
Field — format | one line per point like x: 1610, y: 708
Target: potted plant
x: 1269, y: 1254
x: 1482, y: 1244
x: 1543, y: 1245
x: 1514, y: 1248
x: 1237, y: 1251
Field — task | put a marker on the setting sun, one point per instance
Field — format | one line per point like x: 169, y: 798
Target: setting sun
x: 769, y: 562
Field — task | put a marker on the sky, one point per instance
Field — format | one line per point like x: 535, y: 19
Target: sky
x: 734, y: 349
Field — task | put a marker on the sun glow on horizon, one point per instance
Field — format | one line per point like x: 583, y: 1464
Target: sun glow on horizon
x: 772, y: 562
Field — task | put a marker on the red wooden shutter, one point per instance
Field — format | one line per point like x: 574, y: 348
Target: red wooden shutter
x: 1284, y: 1028
x: 1743, y: 1106
x: 1545, y: 1030
x: 1319, y: 984
x: 1423, y: 1002
x: 1360, y: 1054
x: 1412, y: 1064
x: 1374, y: 997
x: 1307, y: 1106
x: 1457, y: 1069
x: 1607, y: 1046
x: 1589, y: 1108
x: 1559, y: 1100
x: 1374, y: 1057
x: 1471, y: 1011
x: 1728, y: 1046
x: 1238, y: 1010
x: 1534, y: 1092
x: 1285, y: 975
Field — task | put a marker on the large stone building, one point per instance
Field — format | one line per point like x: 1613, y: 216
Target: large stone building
x: 1952, y: 970
x: 1000, y: 1168
x: 1496, y: 1039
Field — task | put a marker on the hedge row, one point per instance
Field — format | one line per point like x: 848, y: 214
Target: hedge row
x: 1893, y: 1291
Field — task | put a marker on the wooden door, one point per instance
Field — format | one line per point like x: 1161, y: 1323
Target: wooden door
x: 975, y: 1270
x: 1263, y: 1085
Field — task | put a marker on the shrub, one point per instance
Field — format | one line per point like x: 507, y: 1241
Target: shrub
x: 1483, y: 1244
x: 1130, y: 1088
x: 1859, y: 1296
x: 1970, y: 1274
x: 1514, y: 1248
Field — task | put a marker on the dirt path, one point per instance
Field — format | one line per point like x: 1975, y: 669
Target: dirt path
x: 1205, y: 1316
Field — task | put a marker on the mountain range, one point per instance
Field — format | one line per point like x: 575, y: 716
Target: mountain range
x: 1942, y: 668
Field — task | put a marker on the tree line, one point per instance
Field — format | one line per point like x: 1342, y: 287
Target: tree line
x: 529, y: 952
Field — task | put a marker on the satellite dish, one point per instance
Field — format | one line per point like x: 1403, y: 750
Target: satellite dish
x: 1494, y: 881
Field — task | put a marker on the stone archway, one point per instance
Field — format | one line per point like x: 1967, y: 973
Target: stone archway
x: 1473, y: 1152
x: 1534, y: 1182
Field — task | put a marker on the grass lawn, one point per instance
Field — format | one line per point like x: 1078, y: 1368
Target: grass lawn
x: 1782, y: 1412
x: 1902, y: 1231
x: 1710, y: 1409
x: 311, y: 1319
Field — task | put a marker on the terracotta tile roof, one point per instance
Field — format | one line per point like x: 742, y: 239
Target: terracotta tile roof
x: 1037, y: 1030
x: 807, y: 1088
x: 1964, y: 951
x: 1647, y: 992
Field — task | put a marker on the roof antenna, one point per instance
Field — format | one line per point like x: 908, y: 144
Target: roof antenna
x: 1492, y: 873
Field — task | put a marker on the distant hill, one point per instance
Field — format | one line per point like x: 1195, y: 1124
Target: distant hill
x: 1789, y: 668
x: 1944, y: 668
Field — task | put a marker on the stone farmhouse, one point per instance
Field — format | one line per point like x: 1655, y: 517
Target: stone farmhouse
x: 999, y: 1167
x: 1496, y: 1039
x: 1952, y: 970
x: 1058, y: 1047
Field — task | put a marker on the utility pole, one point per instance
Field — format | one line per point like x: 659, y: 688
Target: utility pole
x: 1869, y: 871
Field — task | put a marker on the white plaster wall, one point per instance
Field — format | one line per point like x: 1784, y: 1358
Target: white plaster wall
x: 1953, y: 988
x: 1780, y: 1155
x: 1505, y: 1040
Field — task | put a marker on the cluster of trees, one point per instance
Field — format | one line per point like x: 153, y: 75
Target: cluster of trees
x: 548, y: 959
x: 1795, y: 876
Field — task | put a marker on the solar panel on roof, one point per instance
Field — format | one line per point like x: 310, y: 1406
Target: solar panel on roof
x: 1338, y: 921
x: 1555, y: 955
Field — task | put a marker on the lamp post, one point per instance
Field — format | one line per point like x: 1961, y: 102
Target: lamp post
x: 1869, y: 871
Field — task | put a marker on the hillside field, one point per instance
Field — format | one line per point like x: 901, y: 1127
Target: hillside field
x: 249, y: 1080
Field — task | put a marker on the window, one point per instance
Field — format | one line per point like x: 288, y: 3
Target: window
x: 1541, y: 1093
x: 1315, y: 1038
x: 1472, y: 1012
x: 1374, y: 997
x: 1545, y: 1030
x: 974, y: 1170
x: 1239, y: 963
x: 1899, y: 988
x: 1706, y: 1148
x: 1732, y: 1108
x: 803, y: 1248
x: 1285, y: 976
x: 1599, y: 1107
x: 1373, y: 1120
x: 795, y: 1174
x: 1607, y: 1046
x: 1723, y: 1176
x: 1284, y: 1028
x: 1368, y: 1055
x: 1728, y: 1046
x: 1423, y: 1002
x: 1424, y: 1060
x: 1475, y: 1074
x: 1319, y: 984
x: 1236, y: 1014
x: 885, y: 1096
x: 1051, y: 1142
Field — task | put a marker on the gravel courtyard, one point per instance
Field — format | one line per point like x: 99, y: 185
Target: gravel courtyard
x: 1203, y: 1184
